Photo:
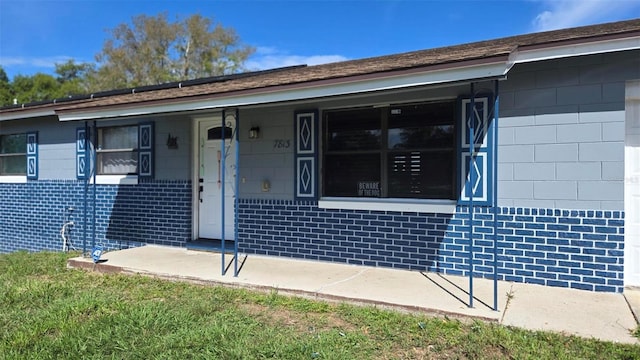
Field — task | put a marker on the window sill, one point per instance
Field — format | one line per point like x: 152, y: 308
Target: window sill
x: 13, y: 179
x: 116, y: 180
x: 401, y: 205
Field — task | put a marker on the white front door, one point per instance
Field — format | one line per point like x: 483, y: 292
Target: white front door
x: 632, y: 185
x: 212, y: 156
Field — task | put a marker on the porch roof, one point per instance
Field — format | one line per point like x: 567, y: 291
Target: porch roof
x: 484, y: 59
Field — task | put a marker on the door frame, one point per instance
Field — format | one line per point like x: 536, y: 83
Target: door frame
x: 195, y: 161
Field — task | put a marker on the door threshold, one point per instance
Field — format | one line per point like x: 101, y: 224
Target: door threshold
x: 213, y: 245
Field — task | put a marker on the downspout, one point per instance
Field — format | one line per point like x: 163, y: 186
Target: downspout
x: 236, y: 199
x: 472, y: 150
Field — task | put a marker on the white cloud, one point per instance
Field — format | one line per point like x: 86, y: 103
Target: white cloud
x: 266, y: 50
x: 270, y: 58
x: 560, y: 14
x: 38, y: 62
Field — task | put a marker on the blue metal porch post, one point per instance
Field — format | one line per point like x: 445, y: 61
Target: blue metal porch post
x: 472, y: 149
x: 86, y: 189
x: 94, y: 163
x: 496, y: 113
x: 237, y: 195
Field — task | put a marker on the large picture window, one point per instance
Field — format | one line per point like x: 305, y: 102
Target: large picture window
x: 13, y: 154
x: 404, y: 151
x: 117, y: 150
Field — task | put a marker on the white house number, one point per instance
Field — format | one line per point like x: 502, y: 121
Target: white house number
x: 281, y: 144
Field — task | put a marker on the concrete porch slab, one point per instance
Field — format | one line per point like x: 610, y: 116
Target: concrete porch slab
x: 605, y: 316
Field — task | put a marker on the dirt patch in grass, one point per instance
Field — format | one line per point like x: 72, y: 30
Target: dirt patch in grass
x: 299, y: 321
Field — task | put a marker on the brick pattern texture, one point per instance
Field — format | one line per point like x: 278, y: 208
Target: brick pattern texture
x: 153, y: 212
x: 574, y: 249
x: 566, y: 248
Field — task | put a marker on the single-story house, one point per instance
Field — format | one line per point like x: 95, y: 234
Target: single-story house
x: 527, y: 148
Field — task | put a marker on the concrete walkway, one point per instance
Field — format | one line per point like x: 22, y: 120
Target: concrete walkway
x: 603, y: 316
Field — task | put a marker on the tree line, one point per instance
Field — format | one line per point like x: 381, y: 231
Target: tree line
x: 150, y: 50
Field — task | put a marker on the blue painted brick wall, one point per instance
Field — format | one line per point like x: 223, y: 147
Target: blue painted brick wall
x: 155, y: 212
x: 575, y: 249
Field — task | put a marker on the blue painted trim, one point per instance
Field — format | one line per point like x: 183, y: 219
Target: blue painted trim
x: 146, y: 146
x: 83, y: 160
x: 32, y: 155
x: 483, y: 194
x: 306, y: 128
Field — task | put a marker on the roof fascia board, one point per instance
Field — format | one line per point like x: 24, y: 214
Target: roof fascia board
x: 26, y: 114
x: 440, y: 76
x: 576, y: 49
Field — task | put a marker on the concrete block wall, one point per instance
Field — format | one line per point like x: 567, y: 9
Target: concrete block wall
x: 154, y: 212
x: 565, y: 248
x: 561, y: 133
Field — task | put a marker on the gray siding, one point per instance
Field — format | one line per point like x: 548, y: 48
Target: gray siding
x: 562, y: 132
x: 57, y: 152
x: 260, y: 160
x: 173, y: 164
x: 56, y: 148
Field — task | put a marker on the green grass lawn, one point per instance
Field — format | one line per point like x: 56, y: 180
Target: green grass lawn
x: 50, y: 312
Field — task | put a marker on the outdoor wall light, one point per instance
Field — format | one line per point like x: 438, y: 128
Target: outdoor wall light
x: 254, y: 132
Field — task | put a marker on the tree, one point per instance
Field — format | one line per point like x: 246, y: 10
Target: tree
x: 207, y: 52
x: 72, y: 71
x: 71, y: 80
x: 39, y: 87
x: 74, y: 78
x: 6, y: 94
x: 153, y: 50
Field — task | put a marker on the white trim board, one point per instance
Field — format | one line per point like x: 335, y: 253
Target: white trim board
x: 401, y: 205
x: 13, y: 179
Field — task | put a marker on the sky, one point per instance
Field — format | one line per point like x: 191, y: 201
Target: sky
x: 37, y: 34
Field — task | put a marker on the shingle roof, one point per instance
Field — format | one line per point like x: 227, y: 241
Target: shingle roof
x: 342, y: 71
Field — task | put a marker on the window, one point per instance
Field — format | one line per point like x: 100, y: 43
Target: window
x: 405, y: 151
x: 117, y: 151
x: 13, y: 154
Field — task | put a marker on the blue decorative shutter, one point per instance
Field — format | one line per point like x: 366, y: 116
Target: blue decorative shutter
x: 306, y: 155
x: 480, y: 170
x: 145, y: 150
x: 83, y: 153
x: 32, y: 155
